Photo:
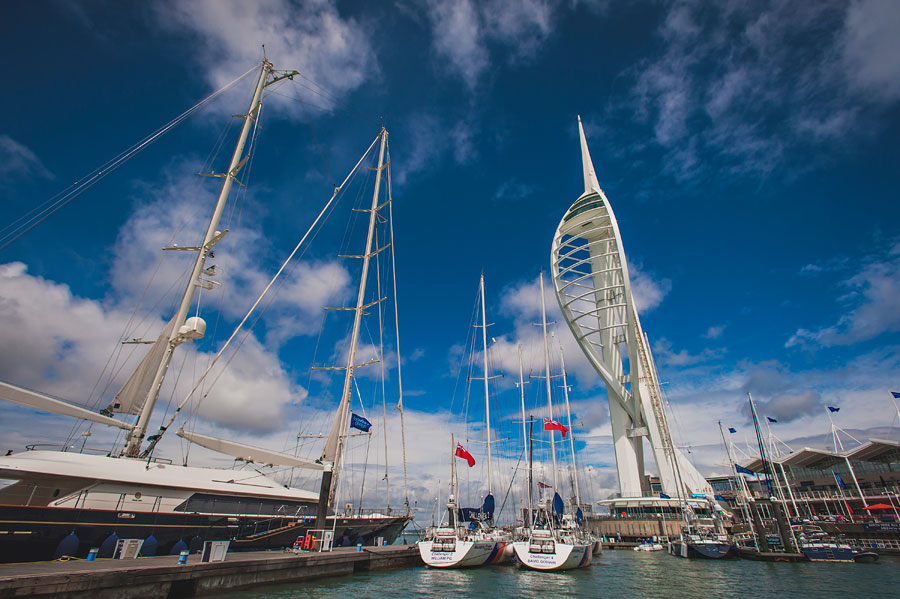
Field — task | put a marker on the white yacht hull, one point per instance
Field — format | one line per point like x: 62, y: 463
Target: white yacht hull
x: 565, y: 556
x: 465, y: 554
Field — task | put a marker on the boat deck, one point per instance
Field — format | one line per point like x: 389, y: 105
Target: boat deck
x: 163, y: 577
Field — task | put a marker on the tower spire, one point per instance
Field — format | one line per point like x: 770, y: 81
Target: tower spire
x: 590, y: 176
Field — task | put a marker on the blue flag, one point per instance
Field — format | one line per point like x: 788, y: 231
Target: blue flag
x: 743, y: 470
x: 732, y: 430
x: 833, y: 409
x: 664, y: 496
x: 895, y: 394
x: 770, y: 419
x: 358, y: 422
x: 837, y: 478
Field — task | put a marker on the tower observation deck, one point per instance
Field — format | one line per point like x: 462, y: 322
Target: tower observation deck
x: 590, y: 276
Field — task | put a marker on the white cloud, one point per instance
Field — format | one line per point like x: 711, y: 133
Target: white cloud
x: 730, y: 80
x: 873, y: 305
x: 648, y: 292
x: 465, y: 32
x: 426, y: 143
x: 65, y: 342
x: 458, y: 37
x: 16, y: 160
x: 663, y: 353
x: 871, y: 48
x: 310, y: 36
x: 715, y: 332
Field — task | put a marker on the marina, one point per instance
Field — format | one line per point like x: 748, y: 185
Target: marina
x: 234, y: 353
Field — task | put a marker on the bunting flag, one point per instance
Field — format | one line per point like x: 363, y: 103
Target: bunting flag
x: 359, y: 423
x: 743, y: 470
x: 833, y: 409
x: 770, y: 419
x: 896, y: 394
x: 732, y: 430
x: 462, y: 453
x: 839, y: 481
x: 552, y: 425
x: 544, y: 485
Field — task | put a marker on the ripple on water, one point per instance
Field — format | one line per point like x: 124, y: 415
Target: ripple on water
x: 616, y: 575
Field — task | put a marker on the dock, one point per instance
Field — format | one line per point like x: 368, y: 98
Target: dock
x: 163, y: 577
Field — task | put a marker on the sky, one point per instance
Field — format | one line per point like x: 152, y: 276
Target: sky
x: 749, y: 150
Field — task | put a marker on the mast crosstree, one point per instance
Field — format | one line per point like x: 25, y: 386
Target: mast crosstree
x: 590, y: 276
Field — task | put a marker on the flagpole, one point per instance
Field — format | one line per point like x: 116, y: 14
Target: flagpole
x: 846, y: 459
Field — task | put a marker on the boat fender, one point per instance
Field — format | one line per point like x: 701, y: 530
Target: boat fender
x: 67, y: 547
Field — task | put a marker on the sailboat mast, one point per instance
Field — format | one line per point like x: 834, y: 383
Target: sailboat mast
x: 547, y: 378
x: 487, y: 395
x: 562, y: 361
x: 133, y: 446
x: 335, y: 442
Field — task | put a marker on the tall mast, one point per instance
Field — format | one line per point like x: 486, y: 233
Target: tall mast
x: 547, y: 378
x: 562, y: 361
x: 176, y: 336
x: 331, y: 454
x: 487, y: 395
x: 524, y: 430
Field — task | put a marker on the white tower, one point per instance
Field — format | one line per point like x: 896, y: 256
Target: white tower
x: 590, y: 275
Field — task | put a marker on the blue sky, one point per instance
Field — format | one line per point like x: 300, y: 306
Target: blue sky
x: 750, y: 154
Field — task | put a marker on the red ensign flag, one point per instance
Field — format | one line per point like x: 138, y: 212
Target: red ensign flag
x: 552, y: 425
x: 462, y: 453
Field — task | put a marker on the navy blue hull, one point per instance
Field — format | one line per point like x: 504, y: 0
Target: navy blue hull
x: 35, y: 533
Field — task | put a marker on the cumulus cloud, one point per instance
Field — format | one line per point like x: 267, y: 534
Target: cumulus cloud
x: 872, y: 298
x: 65, y: 342
x: 17, y: 160
x: 310, y: 36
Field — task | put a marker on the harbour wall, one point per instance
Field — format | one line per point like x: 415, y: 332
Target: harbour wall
x: 163, y: 577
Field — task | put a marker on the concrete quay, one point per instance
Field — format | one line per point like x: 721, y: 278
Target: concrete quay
x: 163, y: 577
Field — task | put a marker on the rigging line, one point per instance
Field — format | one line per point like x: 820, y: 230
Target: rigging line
x: 269, y: 286
x: 324, y: 92
x: 303, y: 102
x: 397, y: 332
x: 40, y: 213
x: 383, y: 390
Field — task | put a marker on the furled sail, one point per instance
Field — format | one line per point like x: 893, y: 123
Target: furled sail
x: 248, y: 453
x: 45, y: 402
x: 130, y: 399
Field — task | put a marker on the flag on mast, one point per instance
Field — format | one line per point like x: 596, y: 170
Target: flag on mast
x: 770, y: 419
x: 732, y: 430
x: 833, y: 409
x: 552, y: 425
x: 462, y: 453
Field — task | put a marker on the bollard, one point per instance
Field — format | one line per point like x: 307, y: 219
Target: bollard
x: 182, y: 557
x: 92, y: 555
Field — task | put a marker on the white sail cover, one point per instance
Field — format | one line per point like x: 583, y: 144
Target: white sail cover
x: 248, y: 453
x: 131, y: 398
x: 45, y: 402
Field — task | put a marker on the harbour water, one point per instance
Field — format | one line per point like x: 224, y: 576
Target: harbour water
x: 617, y: 575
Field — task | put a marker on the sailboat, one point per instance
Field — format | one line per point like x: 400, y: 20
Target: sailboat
x: 456, y: 546
x: 551, y: 542
x: 64, y: 503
